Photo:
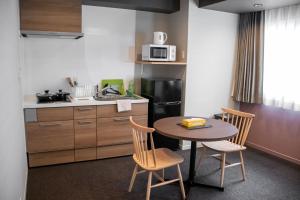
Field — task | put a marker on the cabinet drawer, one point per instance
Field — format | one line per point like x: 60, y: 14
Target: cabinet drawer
x: 85, y: 154
x: 85, y: 112
x: 116, y: 130
x: 50, y: 158
x: 111, y: 110
x: 85, y: 133
x: 114, y: 151
x: 54, y: 114
x: 50, y: 136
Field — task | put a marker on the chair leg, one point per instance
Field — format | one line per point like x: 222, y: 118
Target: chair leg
x: 202, y: 156
x: 181, y: 182
x: 163, y: 174
x: 242, y: 165
x: 222, y: 169
x: 133, y: 178
x: 149, y: 186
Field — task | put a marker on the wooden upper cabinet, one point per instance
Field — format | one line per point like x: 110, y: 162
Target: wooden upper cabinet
x: 161, y: 6
x: 51, y: 15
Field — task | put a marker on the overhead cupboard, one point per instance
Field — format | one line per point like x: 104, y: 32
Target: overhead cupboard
x: 56, y: 18
x: 79, y: 133
x: 51, y: 18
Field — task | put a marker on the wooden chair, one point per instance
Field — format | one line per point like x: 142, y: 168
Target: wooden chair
x: 152, y: 160
x: 243, y: 122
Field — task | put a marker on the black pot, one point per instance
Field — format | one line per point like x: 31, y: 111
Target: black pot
x: 46, y: 97
x: 61, y: 96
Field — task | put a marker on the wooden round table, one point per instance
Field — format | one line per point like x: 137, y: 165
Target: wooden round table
x: 219, y: 131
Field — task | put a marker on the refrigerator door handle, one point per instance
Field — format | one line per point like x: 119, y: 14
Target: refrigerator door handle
x: 173, y: 103
x: 168, y: 103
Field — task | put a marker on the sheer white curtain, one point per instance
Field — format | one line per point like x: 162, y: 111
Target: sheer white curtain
x: 282, y: 58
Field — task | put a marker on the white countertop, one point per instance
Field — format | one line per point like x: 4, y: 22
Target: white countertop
x: 30, y: 101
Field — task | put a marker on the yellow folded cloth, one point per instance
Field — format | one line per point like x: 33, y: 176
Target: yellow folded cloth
x: 192, y: 122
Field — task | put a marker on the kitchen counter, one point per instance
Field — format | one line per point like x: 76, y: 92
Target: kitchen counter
x: 31, y: 102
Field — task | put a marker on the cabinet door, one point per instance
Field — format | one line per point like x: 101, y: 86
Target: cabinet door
x: 85, y: 112
x: 116, y: 130
x: 111, y: 110
x: 54, y: 114
x: 85, y: 154
x: 114, y: 151
x: 50, y: 158
x: 85, y: 133
x: 50, y: 136
x: 50, y: 15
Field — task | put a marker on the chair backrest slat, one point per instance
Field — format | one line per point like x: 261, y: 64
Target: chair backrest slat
x: 241, y: 120
x: 139, y: 136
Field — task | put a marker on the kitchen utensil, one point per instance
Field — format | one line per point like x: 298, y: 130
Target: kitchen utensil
x: 109, y: 90
x: 160, y: 38
x: 115, y: 84
x: 70, y: 81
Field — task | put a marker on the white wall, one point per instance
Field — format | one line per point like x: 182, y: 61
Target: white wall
x: 13, y: 163
x: 211, y: 55
x: 212, y: 39
x: 175, y: 25
x: 106, y: 51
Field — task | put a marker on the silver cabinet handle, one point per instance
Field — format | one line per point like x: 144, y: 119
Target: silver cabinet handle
x: 120, y: 119
x: 84, y: 123
x: 50, y: 124
x: 85, y: 109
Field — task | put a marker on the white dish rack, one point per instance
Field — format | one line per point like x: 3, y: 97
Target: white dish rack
x: 83, y: 91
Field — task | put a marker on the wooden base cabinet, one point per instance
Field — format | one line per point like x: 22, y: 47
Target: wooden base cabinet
x: 116, y: 130
x: 114, y: 151
x: 50, y: 136
x: 73, y: 134
x: 85, y: 133
x: 85, y: 154
x: 50, y: 158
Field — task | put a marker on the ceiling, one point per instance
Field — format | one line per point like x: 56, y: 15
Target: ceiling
x: 241, y: 6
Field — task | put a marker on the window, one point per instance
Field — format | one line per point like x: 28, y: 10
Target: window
x: 282, y: 58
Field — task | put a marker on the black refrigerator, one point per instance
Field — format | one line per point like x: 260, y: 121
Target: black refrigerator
x: 164, y: 96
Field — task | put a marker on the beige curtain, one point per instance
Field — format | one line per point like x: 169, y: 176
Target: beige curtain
x: 248, y: 82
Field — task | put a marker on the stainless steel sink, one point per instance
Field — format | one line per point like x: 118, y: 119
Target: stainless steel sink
x: 116, y: 97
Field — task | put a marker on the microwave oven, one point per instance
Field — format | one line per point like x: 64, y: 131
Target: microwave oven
x: 154, y: 52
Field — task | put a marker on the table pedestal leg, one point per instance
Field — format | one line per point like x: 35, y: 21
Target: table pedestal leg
x: 191, y: 180
x: 192, y: 161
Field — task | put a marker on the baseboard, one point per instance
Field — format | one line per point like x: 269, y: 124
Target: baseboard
x: 274, y: 153
x: 188, y: 146
x: 184, y: 147
x: 25, y: 186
